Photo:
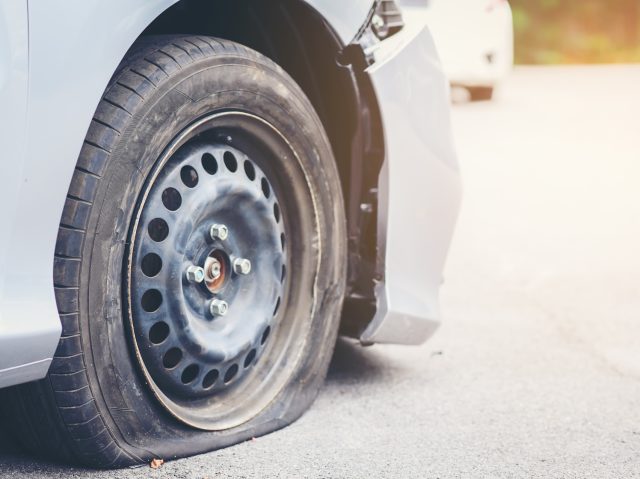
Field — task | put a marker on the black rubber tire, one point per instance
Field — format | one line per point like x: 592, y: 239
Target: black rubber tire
x: 94, y: 408
x: 480, y: 93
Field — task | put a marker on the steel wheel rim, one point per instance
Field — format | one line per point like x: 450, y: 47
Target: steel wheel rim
x: 217, y: 376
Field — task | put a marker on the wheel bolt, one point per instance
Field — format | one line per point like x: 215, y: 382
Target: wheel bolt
x: 218, y: 307
x: 220, y: 232
x: 195, y: 274
x: 242, y: 266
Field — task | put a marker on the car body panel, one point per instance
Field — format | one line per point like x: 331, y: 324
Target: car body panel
x: 27, y: 336
x: 419, y: 186
x: 345, y: 18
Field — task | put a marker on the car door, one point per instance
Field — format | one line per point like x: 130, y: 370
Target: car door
x: 14, y: 69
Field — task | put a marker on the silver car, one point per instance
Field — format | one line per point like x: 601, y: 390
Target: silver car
x: 197, y: 197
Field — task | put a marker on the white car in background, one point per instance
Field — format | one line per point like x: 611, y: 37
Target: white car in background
x: 474, y: 39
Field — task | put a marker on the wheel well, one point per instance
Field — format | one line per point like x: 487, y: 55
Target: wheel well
x: 296, y: 37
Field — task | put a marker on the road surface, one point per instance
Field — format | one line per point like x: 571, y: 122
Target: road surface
x: 536, y: 371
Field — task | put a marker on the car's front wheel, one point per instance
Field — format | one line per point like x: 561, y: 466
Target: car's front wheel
x: 200, y: 263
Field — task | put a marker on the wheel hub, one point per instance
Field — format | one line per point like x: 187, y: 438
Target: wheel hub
x: 207, y: 270
x: 215, y: 270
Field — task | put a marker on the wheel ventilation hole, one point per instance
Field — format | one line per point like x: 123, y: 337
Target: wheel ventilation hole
x: 265, y: 335
x: 275, y: 310
x: 151, y: 265
x: 171, y: 199
x: 159, y: 332
x: 249, y: 359
x: 282, y: 241
x: 210, y: 378
x: 283, y: 274
x: 209, y: 164
x: 189, y: 176
x: 190, y: 373
x: 249, y: 170
x: 230, y: 161
x: 265, y: 188
x: 171, y: 358
x: 276, y: 212
x: 151, y: 300
x: 231, y: 373
x: 158, y: 229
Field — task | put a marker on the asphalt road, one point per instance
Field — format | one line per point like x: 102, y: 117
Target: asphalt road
x: 536, y: 371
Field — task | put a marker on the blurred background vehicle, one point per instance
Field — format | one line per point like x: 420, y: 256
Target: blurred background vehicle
x: 474, y: 39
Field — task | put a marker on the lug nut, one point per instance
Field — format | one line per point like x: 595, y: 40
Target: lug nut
x: 218, y: 307
x: 242, y: 266
x: 195, y: 274
x: 220, y: 232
